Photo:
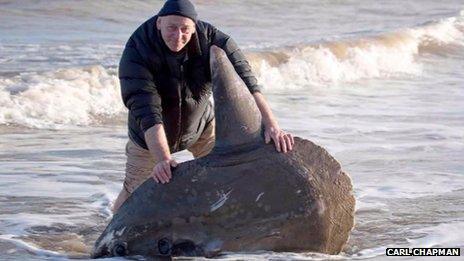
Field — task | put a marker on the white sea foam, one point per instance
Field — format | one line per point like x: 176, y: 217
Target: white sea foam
x: 86, y: 95
x: 387, y: 55
x: 75, y: 96
x: 268, y: 255
x: 32, y: 248
x: 442, y: 235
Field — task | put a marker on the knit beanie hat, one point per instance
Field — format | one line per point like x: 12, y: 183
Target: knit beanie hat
x: 179, y: 7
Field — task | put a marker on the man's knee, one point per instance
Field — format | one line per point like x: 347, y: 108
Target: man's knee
x: 139, y: 166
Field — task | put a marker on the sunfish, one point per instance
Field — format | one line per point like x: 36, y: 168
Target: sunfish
x: 243, y: 196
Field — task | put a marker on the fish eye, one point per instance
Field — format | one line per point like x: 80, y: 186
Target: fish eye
x: 164, y: 246
x: 120, y: 249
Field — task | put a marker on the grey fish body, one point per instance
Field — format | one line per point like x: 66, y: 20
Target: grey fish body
x: 243, y: 196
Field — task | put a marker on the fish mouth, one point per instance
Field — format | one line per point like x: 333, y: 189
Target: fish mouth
x: 117, y: 249
x: 109, y: 246
x: 163, y: 248
x: 100, y: 252
x: 187, y: 248
x: 181, y: 247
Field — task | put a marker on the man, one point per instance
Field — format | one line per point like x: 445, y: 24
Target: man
x: 166, y: 84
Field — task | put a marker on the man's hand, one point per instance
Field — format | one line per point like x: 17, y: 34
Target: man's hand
x: 162, y: 170
x: 283, y: 141
x: 157, y: 144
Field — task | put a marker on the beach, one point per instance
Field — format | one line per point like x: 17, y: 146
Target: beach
x: 378, y: 84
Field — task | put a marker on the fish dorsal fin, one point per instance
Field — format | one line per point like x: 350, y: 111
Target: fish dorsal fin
x: 238, y: 120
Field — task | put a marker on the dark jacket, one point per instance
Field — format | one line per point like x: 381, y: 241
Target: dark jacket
x: 157, y: 88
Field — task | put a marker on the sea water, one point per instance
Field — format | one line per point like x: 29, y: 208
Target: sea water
x: 379, y: 84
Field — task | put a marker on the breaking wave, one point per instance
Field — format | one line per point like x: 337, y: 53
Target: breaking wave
x: 387, y: 55
x: 90, y: 95
x: 76, y: 96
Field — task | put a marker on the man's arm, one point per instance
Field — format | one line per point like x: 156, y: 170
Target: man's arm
x: 138, y: 89
x: 157, y: 144
x: 141, y: 97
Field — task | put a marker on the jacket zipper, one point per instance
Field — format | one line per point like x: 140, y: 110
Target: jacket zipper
x: 179, y: 133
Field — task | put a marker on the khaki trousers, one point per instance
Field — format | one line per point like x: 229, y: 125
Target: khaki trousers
x: 140, y: 162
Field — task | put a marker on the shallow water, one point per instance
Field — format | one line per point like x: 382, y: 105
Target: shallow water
x: 380, y: 86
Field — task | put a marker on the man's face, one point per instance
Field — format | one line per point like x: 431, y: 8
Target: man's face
x: 176, y: 31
